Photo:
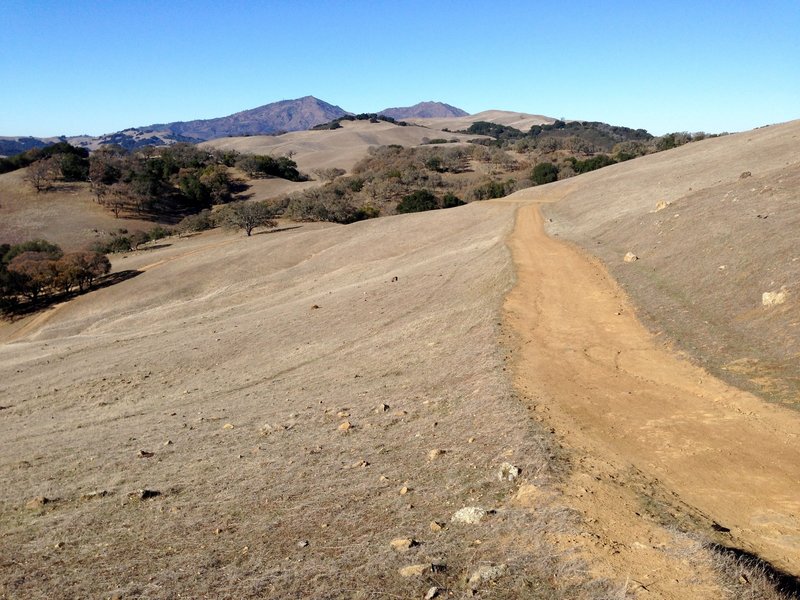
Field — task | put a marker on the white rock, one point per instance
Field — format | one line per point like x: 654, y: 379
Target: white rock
x: 508, y: 472
x: 773, y: 298
x: 469, y: 514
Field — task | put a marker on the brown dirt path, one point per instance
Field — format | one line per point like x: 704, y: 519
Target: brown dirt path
x: 632, y: 407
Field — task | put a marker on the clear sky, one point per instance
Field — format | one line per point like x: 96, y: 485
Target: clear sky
x: 71, y: 67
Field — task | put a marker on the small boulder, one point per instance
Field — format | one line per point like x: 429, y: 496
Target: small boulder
x: 469, y: 514
x: 403, y: 544
x: 508, y: 472
x: 435, y: 453
x: 662, y: 204
x: 630, y: 257
x: 486, y: 574
x: 414, y: 570
x: 345, y: 426
x: 773, y: 298
x: 432, y: 593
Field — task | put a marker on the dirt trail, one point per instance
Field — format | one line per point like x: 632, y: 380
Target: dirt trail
x: 610, y: 391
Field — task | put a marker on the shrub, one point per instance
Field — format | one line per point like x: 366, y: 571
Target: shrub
x: 158, y: 233
x: 545, y: 172
x: 200, y: 222
x: 591, y: 164
x: 418, y: 201
x: 112, y: 244
x: 493, y: 189
x: 450, y: 200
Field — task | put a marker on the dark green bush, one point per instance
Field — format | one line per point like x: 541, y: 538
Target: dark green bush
x: 545, y: 172
x: 450, y: 200
x: 418, y: 201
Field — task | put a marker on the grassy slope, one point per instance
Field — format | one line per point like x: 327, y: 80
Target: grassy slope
x: 341, y: 148
x: 67, y: 215
x: 219, y: 329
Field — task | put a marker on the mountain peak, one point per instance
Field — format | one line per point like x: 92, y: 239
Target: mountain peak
x: 424, y: 110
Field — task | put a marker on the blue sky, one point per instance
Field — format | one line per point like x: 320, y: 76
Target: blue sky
x: 71, y: 67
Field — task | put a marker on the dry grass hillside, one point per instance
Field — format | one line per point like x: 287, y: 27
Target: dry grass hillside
x: 338, y: 148
x: 304, y: 413
x: 297, y: 400
x: 714, y: 225
x: 67, y: 215
x: 521, y: 121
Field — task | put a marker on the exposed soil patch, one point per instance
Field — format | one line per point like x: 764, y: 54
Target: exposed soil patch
x: 597, y: 376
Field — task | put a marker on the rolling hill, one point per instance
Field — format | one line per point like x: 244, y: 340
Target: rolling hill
x: 341, y: 148
x: 306, y: 412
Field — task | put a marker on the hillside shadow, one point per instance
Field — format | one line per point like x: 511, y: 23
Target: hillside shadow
x: 14, y: 312
x: 782, y: 581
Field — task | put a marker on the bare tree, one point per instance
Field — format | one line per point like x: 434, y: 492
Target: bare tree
x: 41, y: 174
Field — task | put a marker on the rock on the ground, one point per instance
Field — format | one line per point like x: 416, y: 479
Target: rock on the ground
x: 469, y: 514
x: 487, y: 573
x: 630, y: 257
x: 773, y: 298
x: 432, y: 593
x: 436, y: 452
x: 403, y: 544
x: 414, y: 570
x: 508, y: 472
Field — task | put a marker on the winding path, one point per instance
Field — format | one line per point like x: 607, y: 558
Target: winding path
x: 610, y: 390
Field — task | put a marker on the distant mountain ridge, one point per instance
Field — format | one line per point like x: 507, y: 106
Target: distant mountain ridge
x: 286, y: 115
x: 277, y: 117
x: 424, y: 110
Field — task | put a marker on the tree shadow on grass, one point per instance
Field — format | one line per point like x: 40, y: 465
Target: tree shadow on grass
x: 15, y: 311
x: 279, y: 229
x: 155, y: 247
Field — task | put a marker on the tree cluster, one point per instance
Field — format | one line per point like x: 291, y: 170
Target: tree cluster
x: 65, y: 161
x: 162, y: 181
x: 423, y: 200
x: 371, y: 117
x: 259, y: 166
x: 37, y: 268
